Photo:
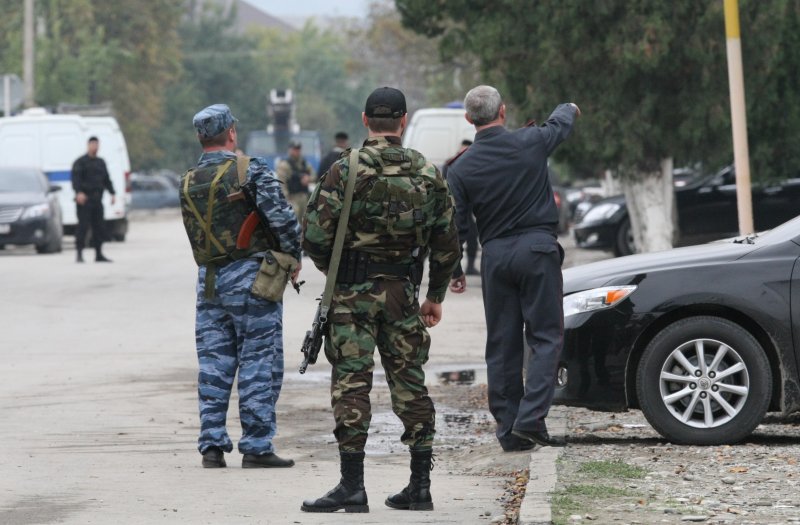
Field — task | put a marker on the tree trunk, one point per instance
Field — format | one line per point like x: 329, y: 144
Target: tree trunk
x: 650, y: 197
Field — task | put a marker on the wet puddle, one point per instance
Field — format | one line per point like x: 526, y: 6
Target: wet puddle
x: 455, y: 374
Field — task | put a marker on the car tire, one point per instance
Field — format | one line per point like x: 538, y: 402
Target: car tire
x: 53, y: 245
x: 623, y: 243
x: 721, y: 405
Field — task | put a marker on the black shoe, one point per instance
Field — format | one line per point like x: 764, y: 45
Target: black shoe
x: 349, y: 494
x: 265, y: 461
x: 540, y: 437
x: 213, y: 457
x: 521, y: 447
x: 417, y: 494
x: 102, y: 258
x: 79, y: 258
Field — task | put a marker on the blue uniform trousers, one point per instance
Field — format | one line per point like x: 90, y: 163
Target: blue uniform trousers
x: 237, y: 330
x: 522, y: 295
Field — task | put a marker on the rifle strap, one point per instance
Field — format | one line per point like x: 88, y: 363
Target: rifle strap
x: 242, y: 163
x: 341, y: 232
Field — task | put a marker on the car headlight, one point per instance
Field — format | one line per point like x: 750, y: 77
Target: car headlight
x: 36, y: 211
x: 595, y: 299
x: 600, y: 212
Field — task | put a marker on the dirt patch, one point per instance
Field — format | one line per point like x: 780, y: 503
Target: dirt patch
x: 617, y: 469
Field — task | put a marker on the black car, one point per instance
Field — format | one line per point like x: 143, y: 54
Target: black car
x: 706, y: 211
x: 704, y: 339
x: 29, y: 210
x: 153, y: 192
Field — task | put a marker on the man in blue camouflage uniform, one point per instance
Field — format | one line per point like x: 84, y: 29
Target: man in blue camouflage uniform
x: 234, y: 328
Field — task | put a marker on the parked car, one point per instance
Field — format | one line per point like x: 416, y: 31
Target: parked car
x: 582, y: 195
x: 706, y: 211
x: 704, y: 339
x: 153, y: 191
x: 29, y: 210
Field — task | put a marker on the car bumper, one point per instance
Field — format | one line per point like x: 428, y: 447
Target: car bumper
x: 30, y: 231
x: 595, y: 236
x: 597, y: 348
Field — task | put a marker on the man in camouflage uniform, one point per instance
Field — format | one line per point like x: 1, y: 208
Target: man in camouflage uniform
x: 234, y: 328
x: 295, y: 173
x: 401, y: 213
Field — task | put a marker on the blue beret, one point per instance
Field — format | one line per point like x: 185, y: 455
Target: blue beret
x: 213, y: 120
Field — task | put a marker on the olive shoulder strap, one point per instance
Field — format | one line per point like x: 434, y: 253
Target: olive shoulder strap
x: 341, y: 231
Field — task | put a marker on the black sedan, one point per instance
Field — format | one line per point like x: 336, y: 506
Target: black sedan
x: 29, y: 210
x: 703, y: 339
x: 706, y: 211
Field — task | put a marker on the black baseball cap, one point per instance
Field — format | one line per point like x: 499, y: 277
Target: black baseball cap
x: 385, y: 102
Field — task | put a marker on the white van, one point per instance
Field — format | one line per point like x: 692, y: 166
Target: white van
x: 53, y: 143
x: 437, y: 133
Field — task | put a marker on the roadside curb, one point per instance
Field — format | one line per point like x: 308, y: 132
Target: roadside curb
x: 535, y: 507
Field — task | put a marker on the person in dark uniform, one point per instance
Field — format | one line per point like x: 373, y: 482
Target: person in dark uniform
x: 472, y: 236
x: 89, y: 180
x: 333, y: 155
x: 503, y: 179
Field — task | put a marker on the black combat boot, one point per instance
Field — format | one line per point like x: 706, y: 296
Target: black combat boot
x: 99, y: 257
x: 349, y: 494
x: 417, y: 495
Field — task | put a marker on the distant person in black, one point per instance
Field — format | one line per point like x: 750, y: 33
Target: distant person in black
x: 89, y: 180
x: 342, y: 144
x: 503, y: 179
x: 472, y: 236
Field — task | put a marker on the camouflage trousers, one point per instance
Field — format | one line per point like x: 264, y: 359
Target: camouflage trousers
x: 236, y: 330
x: 299, y: 202
x: 385, y: 314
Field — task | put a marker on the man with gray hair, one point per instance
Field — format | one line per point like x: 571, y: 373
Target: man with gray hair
x: 503, y: 180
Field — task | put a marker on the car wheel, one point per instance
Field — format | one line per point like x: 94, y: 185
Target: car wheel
x: 704, y: 381
x: 624, y: 244
x: 53, y: 245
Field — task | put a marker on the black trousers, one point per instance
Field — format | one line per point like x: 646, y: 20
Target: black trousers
x: 522, y: 296
x: 90, y: 215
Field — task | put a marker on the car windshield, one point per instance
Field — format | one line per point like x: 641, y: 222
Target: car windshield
x: 20, y: 180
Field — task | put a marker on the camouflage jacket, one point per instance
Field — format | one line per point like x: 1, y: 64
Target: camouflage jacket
x: 291, y: 171
x: 270, y: 199
x: 400, y: 202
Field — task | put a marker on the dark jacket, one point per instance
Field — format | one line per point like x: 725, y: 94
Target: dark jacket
x: 502, y: 177
x: 90, y: 176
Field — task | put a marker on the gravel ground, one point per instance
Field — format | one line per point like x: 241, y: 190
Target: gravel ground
x: 617, y: 469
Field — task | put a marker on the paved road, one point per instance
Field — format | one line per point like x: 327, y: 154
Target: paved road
x: 97, y: 395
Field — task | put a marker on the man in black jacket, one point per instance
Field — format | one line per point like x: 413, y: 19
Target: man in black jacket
x: 333, y: 155
x: 503, y: 179
x: 89, y: 180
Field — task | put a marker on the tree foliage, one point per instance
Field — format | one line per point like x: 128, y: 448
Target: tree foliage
x: 92, y: 51
x: 650, y: 76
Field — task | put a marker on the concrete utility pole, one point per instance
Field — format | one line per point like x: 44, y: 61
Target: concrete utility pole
x: 28, y: 53
x: 741, y: 156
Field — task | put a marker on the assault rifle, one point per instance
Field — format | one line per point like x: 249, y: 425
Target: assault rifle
x: 247, y: 192
x: 313, y: 340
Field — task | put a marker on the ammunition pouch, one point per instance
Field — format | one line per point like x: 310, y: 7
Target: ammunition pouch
x: 273, y: 275
x: 356, y: 267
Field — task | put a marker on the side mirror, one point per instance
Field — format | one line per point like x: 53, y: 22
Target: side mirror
x: 53, y: 189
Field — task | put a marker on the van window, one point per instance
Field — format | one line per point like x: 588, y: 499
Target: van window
x: 19, y: 150
x: 58, y: 147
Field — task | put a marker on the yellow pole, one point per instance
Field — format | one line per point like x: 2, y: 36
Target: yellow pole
x: 741, y: 156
